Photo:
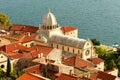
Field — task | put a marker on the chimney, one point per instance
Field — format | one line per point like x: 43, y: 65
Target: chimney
x: 39, y: 56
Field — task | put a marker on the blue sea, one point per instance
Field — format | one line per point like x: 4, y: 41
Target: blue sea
x: 98, y: 19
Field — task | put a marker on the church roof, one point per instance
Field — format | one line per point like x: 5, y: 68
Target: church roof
x: 65, y: 40
x: 49, y: 19
x: 67, y: 29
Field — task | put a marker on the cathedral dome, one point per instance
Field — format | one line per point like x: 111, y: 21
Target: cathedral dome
x: 49, y: 19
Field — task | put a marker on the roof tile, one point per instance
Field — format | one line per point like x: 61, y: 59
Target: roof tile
x: 96, y: 60
x: 77, y: 62
x: 66, y: 77
x: 34, y: 69
x: 25, y: 28
x: 67, y: 29
x: 28, y: 76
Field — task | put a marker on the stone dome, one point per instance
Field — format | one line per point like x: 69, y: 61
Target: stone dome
x: 49, y: 19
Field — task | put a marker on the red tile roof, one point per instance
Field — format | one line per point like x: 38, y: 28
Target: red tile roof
x: 96, y: 60
x: 66, y: 77
x: 77, y: 62
x: 27, y: 55
x: 84, y: 78
x: 16, y: 27
x: 28, y: 39
x: 34, y: 69
x: 14, y: 55
x: 107, y: 71
x: 102, y: 75
x: 25, y: 28
x: 105, y: 76
x: 12, y: 47
x: 35, y: 50
x: 28, y: 76
x: 28, y: 28
x: 67, y: 29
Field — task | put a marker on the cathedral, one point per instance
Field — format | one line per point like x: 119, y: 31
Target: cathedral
x: 63, y: 38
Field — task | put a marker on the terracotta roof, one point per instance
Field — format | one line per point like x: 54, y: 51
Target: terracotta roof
x: 107, y: 71
x: 14, y: 55
x: 28, y: 28
x: 35, y: 50
x: 96, y: 60
x: 77, y: 62
x: 27, y: 39
x: 105, y: 76
x: 12, y: 47
x: 28, y: 76
x: 27, y: 55
x: 66, y: 77
x: 16, y: 27
x: 34, y: 69
x: 25, y: 28
x: 102, y: 75
x: 67, y: 29
x: 84, y: 78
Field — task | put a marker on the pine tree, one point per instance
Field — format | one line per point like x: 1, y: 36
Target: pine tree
x: 8, y: 67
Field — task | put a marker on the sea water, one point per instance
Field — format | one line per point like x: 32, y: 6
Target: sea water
x: 98, y: 19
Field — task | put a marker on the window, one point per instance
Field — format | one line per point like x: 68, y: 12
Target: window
x: 57, y: 45
x: 73, y: 50
x: 51, y: 45
x: 78, y: 51
x: 68, y: 48
x: 2, y: 66
x: 32, y: 44
x: 87, y: 52
x: 62, y: 47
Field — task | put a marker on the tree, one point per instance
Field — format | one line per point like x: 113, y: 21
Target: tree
x: 111, y: 59
x: 95, y: 42
x: 8, y: 67
x: 4, y: 20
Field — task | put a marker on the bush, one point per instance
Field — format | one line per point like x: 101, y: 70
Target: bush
x: 95, y: 42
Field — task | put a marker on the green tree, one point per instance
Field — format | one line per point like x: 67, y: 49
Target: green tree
x: 8, y: 67
x: 95, y: 42
x: 111, y: 59
x: 2, y: 73
x: 4, y: 21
